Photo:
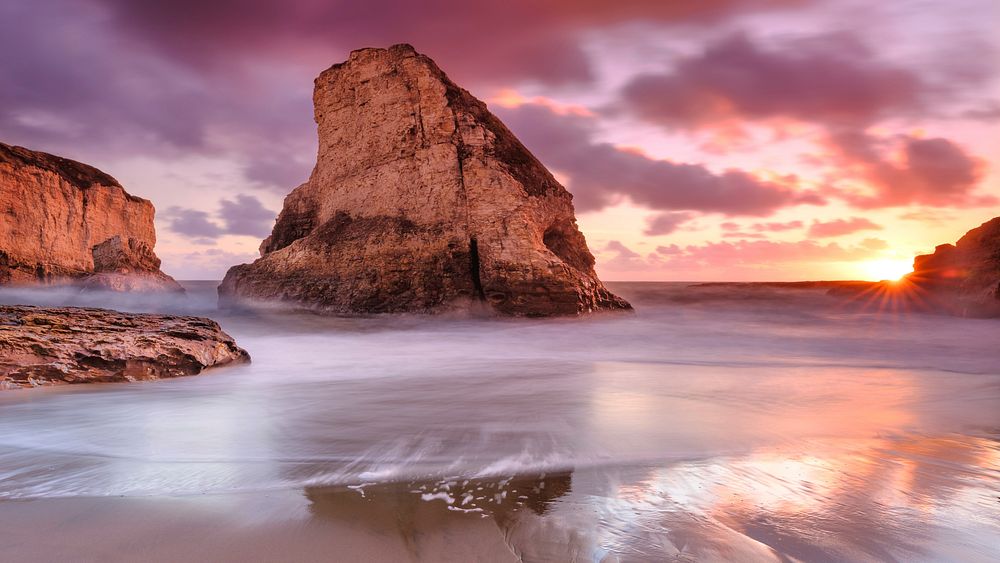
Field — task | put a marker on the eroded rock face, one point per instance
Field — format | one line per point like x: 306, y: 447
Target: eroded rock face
x: 62, y: 221
x: 44, y: 346
x: 421, y: 200
x: 963, y: 278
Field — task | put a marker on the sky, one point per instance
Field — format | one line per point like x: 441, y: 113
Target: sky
x: 747, y: 140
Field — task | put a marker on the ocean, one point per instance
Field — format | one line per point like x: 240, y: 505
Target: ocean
x: 715, y: 423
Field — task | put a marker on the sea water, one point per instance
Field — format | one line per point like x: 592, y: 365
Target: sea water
x: 713, y: 423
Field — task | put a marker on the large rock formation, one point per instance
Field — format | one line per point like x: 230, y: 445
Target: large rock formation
x: 963, y: 278
x: 43, y: 346
x: 65, y: 222
x: 421, y: 200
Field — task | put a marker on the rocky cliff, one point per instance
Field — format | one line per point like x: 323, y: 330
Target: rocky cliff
x: 963, y: 278
x: 62, y: 221
x: 421, y: 200
x: 43, y: 346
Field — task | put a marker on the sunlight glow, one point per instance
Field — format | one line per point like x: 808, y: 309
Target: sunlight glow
x: 887, y: 269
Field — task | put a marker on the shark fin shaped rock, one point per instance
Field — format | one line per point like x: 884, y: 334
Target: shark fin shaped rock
x: 421, y: 200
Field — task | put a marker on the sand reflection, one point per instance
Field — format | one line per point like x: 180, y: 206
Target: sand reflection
x: 894, y: 499
x: 499, y: 517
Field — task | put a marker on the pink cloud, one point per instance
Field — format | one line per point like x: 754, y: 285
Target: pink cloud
x: 724, y: 254
x: 776, y: 227
x: 905, y: 170
x: 601, y: 174
x: 840, y: 227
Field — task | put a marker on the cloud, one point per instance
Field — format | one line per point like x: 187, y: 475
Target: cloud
x: 666, y: 223
x: 776, y: 227
x: 874, y: 244
x: 905, y: 170
x: 928, y: 216
x: 840, y: 227
x: 480, y: 41
x: 620, y: 257
x: 750, y: 252
x: 246, y: 216
x: 829, y: 79
x: 192, y: 223
x: 85, y: 90
x: 243, y: 216
x: 738, y: 234
x: 601, y: 175
x: 766, y: 251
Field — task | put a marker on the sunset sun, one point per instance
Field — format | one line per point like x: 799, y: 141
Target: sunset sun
x: 890, y: 269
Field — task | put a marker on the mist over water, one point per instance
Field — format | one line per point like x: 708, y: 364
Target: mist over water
x: 714, y: 423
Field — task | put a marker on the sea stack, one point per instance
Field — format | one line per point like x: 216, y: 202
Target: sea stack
x: 64, y: 222
x: 962, y: 278
x: 421, y: 201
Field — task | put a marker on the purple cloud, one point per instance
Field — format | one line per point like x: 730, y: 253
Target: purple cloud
x: 666, y: 223
x: 243, y: 216
x: 246, y: 216
x: 192, y: 223
x: 829, y: 79
x: 601, y: 174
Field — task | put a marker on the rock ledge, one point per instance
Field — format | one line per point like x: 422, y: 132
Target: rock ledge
x: 46, y: 346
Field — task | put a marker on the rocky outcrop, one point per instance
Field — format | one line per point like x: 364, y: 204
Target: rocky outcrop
x: 44, y: 346
x: 65, y: 222
x: 421, y: 200
x: 960, y: 279
x: 963, y: 278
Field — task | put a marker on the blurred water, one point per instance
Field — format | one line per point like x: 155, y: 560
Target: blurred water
x: 714, y: 423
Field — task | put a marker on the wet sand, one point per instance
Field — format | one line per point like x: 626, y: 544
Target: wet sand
x: 915, y: 498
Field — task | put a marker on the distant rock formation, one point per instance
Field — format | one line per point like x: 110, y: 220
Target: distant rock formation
x: 65, y: 222
x: 421, y: 200
x: 963, y: 278
x: 960, y: 279
x: 45, y: 346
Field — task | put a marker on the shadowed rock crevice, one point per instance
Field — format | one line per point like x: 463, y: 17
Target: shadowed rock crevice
x: 474, y: 266
x: 416, y: 183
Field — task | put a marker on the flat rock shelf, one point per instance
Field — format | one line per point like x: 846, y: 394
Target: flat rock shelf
x: 46, y: 346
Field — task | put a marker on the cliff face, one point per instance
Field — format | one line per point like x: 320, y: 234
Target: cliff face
x: 59, y: 220
x: 420, y: 200
x: 963, y: 278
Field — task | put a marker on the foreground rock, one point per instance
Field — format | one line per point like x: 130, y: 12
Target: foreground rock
x: 421, y: 200
x: 65, y: 222
x: 959, y: 279
x: 42, y: 346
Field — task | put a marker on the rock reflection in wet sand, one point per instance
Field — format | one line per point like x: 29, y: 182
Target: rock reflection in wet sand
x: 903, y: 498
x: 498, y: 516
